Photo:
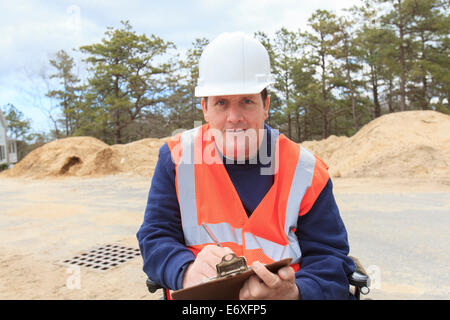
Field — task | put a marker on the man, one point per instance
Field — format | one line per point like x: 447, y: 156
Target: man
x: 263, y: 196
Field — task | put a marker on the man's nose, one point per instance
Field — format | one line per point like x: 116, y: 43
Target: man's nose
x: 235, y: 113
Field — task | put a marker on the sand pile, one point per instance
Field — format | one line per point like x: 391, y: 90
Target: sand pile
x: 138, y: 157
x: 325, y: 148
x: 404, y: 144
x: 87, y: 156
x: 60, y: 157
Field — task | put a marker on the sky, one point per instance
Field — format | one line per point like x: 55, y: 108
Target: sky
x: 32, y: 31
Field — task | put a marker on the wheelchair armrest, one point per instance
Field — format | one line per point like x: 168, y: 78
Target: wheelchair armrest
x: 152, y: 286
x: 359, y: 278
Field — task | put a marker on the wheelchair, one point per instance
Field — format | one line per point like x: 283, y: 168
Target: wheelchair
x: 359, y: 282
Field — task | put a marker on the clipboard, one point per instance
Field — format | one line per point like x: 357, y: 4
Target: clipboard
x: 226, y: 286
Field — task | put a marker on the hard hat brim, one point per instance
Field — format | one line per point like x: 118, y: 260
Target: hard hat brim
x: 224, y: 90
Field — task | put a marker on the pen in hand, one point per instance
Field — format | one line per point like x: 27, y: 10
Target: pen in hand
x: 211, y: 235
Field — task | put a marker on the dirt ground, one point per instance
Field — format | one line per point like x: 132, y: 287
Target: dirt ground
x: 398, y: 228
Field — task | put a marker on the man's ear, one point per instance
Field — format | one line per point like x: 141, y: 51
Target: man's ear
x: 266, y: 107
x: 204, y: 109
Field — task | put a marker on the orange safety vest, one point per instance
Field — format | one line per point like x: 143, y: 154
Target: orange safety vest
x: 207, y: 195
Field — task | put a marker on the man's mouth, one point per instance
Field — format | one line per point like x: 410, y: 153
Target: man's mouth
x: 234, y: 131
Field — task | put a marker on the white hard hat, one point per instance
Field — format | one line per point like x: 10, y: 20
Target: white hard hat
x: 233, y: 63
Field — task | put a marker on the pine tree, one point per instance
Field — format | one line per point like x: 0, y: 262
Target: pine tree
x: 398, y: 19
x: 67, y: 95
x: 429, y: 27
x: 125, y: 79
x: 348, y: 52
x: 322, y: 44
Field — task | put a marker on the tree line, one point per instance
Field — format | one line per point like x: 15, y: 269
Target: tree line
x: 338, y: 74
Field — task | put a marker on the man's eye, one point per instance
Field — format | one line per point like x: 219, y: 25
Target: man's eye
x: 220, y: 102
x: 248, y: 101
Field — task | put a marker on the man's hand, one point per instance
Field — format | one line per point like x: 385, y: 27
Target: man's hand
x: 270, y: 286
x: 204, y: 266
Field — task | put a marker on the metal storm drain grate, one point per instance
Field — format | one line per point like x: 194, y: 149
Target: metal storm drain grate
x: 104, y: 257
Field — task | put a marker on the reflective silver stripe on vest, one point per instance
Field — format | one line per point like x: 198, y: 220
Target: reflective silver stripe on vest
x: 274, y: 250
x: 224, y: 232
x: 300, y: 183
x: 186, y: 181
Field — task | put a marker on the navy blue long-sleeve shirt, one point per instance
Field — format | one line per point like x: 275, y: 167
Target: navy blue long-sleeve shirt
x: 324, y: 265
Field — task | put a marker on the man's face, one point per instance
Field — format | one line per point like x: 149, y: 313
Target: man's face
x: 237, y: 123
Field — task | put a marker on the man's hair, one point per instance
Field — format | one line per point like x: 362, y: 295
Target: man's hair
x: 263, y: 93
